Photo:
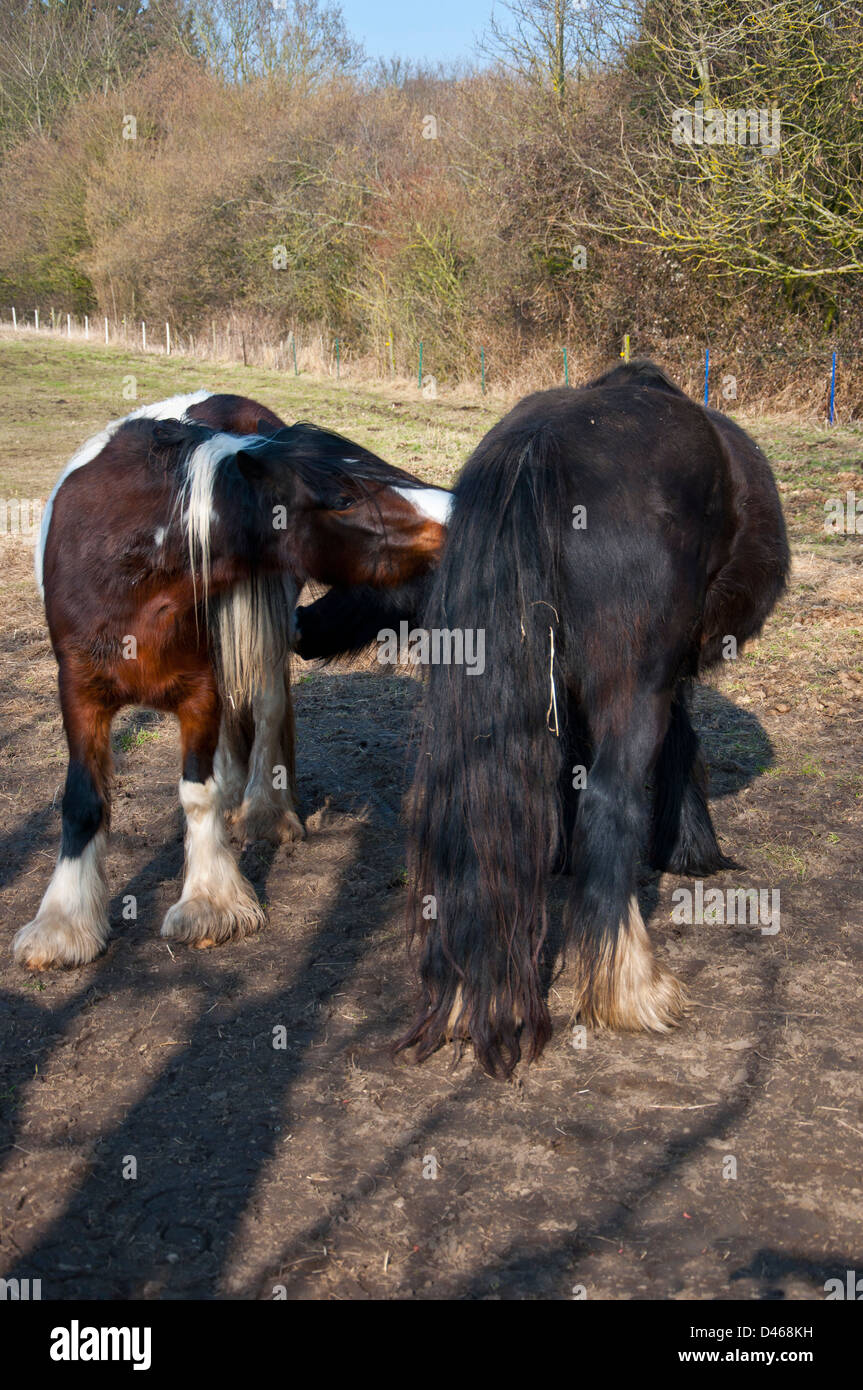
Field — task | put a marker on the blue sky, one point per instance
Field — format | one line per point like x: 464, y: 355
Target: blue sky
x: 430, y: 30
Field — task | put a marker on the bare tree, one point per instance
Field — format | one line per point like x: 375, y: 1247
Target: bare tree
x: 548, y: 42
x: 289, y: 39
x: 54, y: 51
x: 741, y: 147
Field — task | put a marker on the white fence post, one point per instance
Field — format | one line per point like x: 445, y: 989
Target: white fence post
x: 68, y: 325
x: 168, y: 339
x: 106, y: 330
x: 36, y: 316
x: 86, y: 326
x: 144, y: 336
x: 14, y: 318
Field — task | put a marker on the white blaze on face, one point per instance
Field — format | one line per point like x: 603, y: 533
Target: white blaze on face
x: 172, y: 409
x: 433, y: 502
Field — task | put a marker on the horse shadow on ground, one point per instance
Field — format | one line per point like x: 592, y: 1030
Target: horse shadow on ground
x: 169, y: 1232
x: 735, y: 745
x: 204, y: 1130
x: 18, y: 844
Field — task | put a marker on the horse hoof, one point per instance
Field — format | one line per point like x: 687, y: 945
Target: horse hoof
x: 203, y: 922
x: 659, y: 1005
x: 53, y: 939
x: 269, y: 825
x: 628, y: 990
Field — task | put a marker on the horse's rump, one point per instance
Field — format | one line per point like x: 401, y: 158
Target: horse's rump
x: 587, y: 529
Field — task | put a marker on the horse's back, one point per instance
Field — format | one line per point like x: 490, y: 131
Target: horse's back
x: 631, y: 457
x: 234, y: 414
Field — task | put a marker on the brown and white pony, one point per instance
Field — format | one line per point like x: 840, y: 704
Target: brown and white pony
x: 171, y: 557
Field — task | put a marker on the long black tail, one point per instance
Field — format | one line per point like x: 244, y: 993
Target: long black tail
x: 483, y: 810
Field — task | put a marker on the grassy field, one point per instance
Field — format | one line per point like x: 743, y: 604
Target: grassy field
x: 56, y: 395
x: 600, y: 1167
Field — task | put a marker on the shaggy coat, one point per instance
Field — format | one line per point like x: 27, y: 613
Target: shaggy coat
x: 612, y: 542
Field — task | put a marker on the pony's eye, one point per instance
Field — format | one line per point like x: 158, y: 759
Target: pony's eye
x: 341, y: 504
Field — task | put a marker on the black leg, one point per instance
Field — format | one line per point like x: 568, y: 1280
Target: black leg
x: 621, y: 985
x: 683, y: 840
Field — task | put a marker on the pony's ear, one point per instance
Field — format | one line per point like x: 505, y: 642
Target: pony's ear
x: 267, y: 429
x: 258, y: 461
x: 277, y: 467
x: 266, y: 464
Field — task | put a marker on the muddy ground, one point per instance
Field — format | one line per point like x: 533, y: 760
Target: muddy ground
x: 605, y: 1169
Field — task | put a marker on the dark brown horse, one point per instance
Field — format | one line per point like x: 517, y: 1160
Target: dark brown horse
x: 173, y: 550
x: 611, y: 542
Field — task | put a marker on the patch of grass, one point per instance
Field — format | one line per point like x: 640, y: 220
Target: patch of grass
x: 787, y: 859
x: 56, y: 395
x: 134, y: 738
x: 810, y: 768
x: 851, y: 781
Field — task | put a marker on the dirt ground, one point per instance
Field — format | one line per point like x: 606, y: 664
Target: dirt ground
x: 326, y: 1170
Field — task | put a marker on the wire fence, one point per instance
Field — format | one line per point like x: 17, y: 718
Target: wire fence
x: 822, y: 384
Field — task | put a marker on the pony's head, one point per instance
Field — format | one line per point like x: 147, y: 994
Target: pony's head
x: 339, y: 513
x: 304, y: 501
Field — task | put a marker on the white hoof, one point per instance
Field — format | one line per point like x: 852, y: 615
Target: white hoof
x: 71, y: 926
x: 52, y: 938
x: 202, y: 922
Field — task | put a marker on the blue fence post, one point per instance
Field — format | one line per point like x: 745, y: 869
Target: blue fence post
x: 420, y: 372
x: 482, y: 367
x: 832, y: 388
x: 565, y: 368
x: 707, y: 376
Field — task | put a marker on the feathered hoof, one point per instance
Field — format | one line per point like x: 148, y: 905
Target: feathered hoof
x: 656, y: 1007
x: 53, y: 939
x: 268, y: 824
x: 203, y: 922
x: 628, y: 990
x: 698, y: 863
